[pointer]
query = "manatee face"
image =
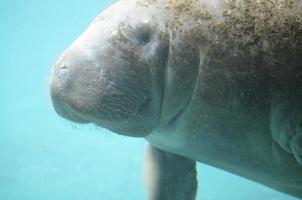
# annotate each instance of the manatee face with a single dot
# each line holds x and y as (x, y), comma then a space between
(112, 75)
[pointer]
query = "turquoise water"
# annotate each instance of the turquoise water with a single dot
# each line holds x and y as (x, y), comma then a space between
(44, 157)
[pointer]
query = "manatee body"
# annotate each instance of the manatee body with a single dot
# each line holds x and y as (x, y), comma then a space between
(214, 81)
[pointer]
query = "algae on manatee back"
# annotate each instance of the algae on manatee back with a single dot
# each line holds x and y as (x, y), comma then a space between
(264, 32)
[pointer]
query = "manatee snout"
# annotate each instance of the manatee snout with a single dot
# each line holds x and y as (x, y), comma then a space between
(69, 85)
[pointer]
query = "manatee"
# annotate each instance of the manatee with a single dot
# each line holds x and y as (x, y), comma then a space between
(211, 81)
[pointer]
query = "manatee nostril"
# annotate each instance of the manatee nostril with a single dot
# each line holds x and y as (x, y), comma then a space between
(63, 69)
(63, 66)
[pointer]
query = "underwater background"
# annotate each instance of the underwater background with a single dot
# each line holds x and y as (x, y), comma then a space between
(45, 157)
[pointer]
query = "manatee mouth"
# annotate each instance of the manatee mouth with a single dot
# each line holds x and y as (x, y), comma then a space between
(73, 110)
(68, 110)
(130, 124)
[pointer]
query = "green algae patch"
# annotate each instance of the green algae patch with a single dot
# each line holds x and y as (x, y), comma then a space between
(262, 26)
(250, 33)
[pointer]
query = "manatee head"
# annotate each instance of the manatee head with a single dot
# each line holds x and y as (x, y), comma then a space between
(113, 74)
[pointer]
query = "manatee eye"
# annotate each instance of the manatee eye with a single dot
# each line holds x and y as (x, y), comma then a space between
(143, 34)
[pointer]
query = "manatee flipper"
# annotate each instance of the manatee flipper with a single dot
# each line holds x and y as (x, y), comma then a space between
(286, 126)
(168, 176)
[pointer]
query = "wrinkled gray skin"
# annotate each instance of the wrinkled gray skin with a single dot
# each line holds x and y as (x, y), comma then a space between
(133, 74)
